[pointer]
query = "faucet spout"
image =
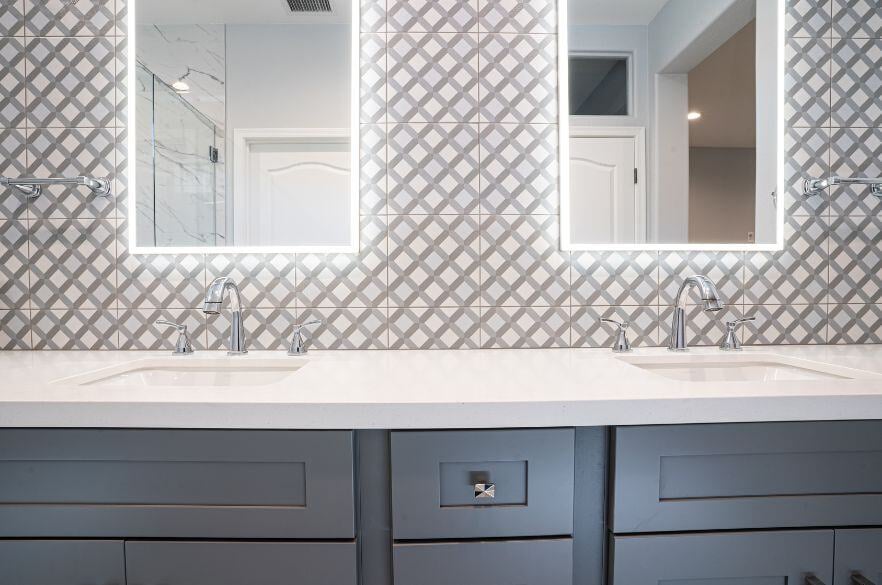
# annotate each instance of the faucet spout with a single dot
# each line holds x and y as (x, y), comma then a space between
(711, 299)
(212, 304)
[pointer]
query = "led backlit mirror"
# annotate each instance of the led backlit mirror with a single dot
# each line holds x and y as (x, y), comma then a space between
(671, 126)
(244, 125)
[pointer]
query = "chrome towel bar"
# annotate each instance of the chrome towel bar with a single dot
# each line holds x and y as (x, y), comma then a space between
(33, 188)
(815, 186)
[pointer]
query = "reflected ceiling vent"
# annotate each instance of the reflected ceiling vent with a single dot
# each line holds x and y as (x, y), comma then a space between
(309, 5)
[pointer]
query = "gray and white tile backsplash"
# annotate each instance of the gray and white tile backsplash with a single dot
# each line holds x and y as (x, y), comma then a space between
(459, 197)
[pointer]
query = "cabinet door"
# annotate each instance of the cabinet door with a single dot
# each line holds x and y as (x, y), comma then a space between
(759, 558)
(62, 562)
(240, 563)
(858, 552)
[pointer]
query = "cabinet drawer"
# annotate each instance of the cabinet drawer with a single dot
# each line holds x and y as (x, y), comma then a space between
(240, 563)
(176, 484)
(524, 562)
(759, 558)
(858, 552)
(62, 562)
(735, 476)
(435, 474)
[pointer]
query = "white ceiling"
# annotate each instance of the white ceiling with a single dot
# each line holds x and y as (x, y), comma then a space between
(613, 12)
(234, 12)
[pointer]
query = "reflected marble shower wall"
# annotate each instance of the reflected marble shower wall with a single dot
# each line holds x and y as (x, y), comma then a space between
(177, 180)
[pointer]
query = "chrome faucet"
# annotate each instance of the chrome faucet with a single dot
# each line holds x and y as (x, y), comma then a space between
(712, 303)
(214, 300)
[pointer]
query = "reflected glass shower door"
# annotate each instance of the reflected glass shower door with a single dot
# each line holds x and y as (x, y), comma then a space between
(177, 184)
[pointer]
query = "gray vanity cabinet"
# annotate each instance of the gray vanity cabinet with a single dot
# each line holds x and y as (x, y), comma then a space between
(240, 563)
(62, 562)
(858, 551)
(748, 558)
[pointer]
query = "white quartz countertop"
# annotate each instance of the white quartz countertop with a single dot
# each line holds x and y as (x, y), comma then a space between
(435, 389)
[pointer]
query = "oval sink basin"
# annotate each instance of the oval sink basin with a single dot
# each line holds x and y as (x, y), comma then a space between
(186, 371)
(741, 368)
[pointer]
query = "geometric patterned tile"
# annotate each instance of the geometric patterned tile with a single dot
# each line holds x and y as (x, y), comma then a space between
(703, 329)
(64, 18)
(851, 324)
(519, 169)
(806, 154)
(15, 330)
(349, 328)
(857, 19)
(807, 83)
(12, 83)
(75, 329)
(347, 280)
(725, 269)
(138, 329)
(525, 327)
(264, 280)
(71, 82)
(14, 289)
(809, 18)
(433, 77)
(265, 329)
(856, 259)
(11, 18)
(518, 16)
(796, 275)
(433, 168)
(589, 331)
(518, 78)
(73, 263)
(373, 16)
(435, 328)
(857, 82)
(786, 325)
(433, 15)
(373, 79)
(856, 152)
(373, 169)
(615, 279)
(60, 152)
(434, 260)
(13, 163)
(161, 281)
(522, 264)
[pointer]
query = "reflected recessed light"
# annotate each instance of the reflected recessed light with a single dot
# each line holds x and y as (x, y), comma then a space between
(180, 87)
(693, 116)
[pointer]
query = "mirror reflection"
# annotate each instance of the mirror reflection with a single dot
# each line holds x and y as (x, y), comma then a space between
(243, 124)
(673, 122)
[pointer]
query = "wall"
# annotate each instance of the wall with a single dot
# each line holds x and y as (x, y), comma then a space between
(721, 194)
(460, 206)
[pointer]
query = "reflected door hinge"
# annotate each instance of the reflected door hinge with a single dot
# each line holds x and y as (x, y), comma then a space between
(636, 182)
(213, 154)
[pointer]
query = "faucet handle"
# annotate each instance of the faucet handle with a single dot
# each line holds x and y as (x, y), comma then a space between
(621, 344)
(298, 345)
(731, 341)
(183, 346)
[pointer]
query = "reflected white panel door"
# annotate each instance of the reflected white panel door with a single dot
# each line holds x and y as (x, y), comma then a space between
(603, 192)
(295, 194)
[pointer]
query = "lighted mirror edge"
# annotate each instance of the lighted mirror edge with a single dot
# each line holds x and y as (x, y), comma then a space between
(563, 100)
(354, 151)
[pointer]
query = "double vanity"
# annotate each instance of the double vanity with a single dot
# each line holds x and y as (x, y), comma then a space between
(540, 467)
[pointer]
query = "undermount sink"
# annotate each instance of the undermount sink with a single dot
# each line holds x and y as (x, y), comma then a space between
(188, 371)
(748, 367)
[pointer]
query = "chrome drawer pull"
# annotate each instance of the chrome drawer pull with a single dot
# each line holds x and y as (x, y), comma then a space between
(484, 491)
(858, 579)
(812, 580)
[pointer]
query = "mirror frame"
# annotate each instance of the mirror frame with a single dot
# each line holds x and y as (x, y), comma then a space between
(355, 156)
(564, 153)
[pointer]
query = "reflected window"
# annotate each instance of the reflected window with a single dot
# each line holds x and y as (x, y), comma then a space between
(598, 86)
